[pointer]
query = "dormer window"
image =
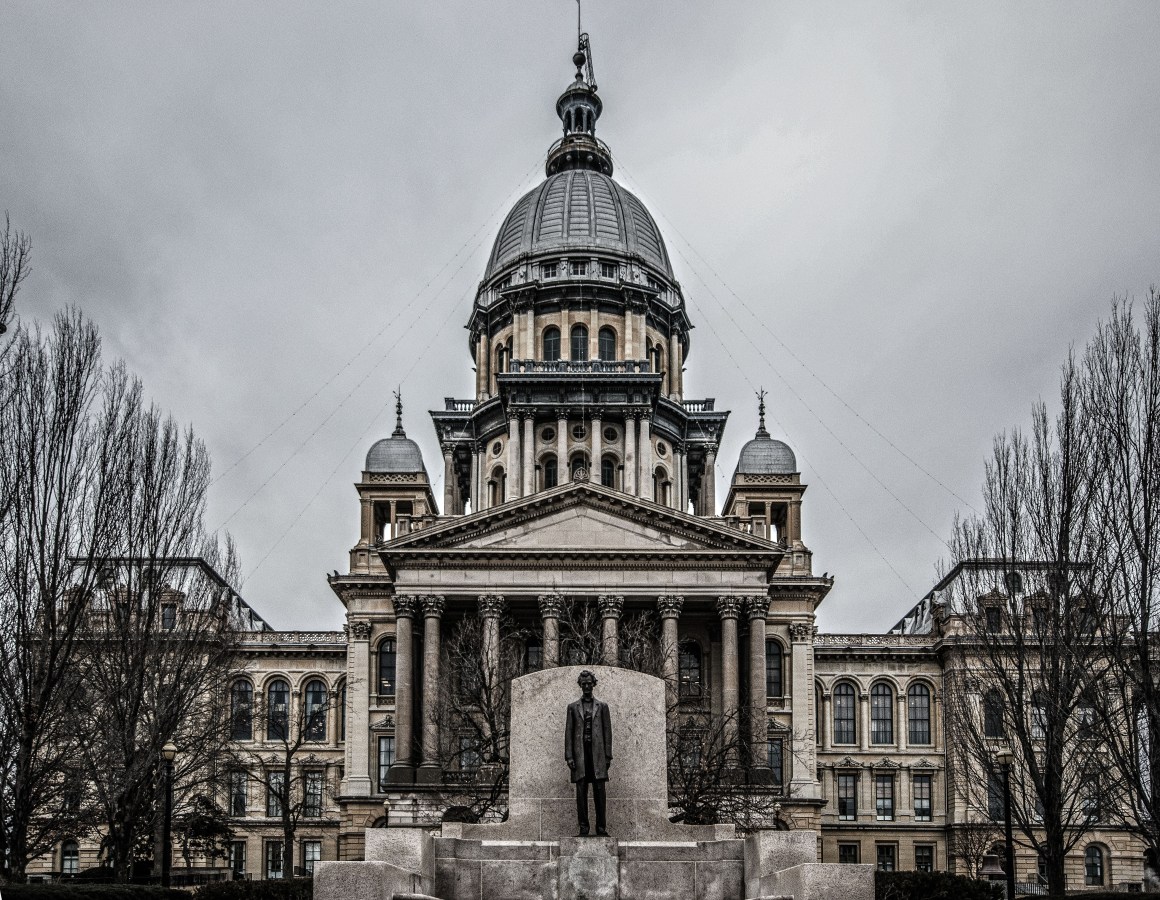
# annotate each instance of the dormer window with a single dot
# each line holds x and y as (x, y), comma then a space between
(549, 270)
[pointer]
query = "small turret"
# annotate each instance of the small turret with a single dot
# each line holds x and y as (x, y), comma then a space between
(578, 108)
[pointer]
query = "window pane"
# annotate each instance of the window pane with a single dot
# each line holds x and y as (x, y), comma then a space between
(607, 344)
(69, 858)
(773, 669)
(275, 786)
(237, 785)
(273, 859)
(886, 858)
(579, 343)
(923, 858)
(241, 711)
(689, 670)
(316, 711)
(922, 794)
(844, 731)
(607, 473)
(278, 711)
(237, 857)
(993, 714)
(881, 714)
(848, 853)
(995, 797)
(387, 669)
(774, 759)
(1093, 863)
(312, 795)
(918, 713)
(311, 853)
(552, 345)
(884, 797)
(386, 760)
(848, 797)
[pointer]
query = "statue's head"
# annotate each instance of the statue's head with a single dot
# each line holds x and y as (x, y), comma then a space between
(587, 682)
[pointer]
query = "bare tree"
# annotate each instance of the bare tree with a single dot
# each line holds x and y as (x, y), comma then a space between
(15, 252)
(1122, 407)
(1024, 669)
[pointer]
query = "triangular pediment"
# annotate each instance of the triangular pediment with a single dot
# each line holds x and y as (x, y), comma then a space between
(582, 518)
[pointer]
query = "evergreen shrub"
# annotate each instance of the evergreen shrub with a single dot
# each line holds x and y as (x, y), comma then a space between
(932, 886)
(281, 889)
(79, 890)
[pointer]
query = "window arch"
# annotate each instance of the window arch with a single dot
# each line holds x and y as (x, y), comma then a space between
(881, 714)
(689, 670)
(662, 487)
(70, 858)
(579, 461)
(656, 357)
(242, 710)
(497, 486)
(388, 655)
(606, 341)
(774, 686)
(552, 344)
(993, 714)
(579, 343)
(608, 472)
(845, 729)
(918, 713)
(499, 358)
(316, 704)
(278, 710)
(1093, 865)
(551, 471)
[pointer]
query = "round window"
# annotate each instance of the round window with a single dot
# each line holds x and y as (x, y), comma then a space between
(610, 434)
(579, 432)
(661, 448)
(497, 448)
(548, 435)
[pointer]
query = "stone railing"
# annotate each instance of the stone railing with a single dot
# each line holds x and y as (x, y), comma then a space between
(873, 640)
(705, 405)
(590, 366)
(453, 405)
(296, 638)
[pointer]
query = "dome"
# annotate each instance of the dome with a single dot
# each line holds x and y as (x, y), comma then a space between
(765, 456)
(398, 455)
(579, 209)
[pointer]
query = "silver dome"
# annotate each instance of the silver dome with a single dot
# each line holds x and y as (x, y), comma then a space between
(397, 455)
(765, 456)
(580, 210)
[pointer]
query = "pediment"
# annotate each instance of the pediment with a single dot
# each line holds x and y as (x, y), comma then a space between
(582, 518)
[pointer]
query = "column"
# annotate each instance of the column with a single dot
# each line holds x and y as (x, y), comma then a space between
(530, 333)
(594, 333)
(863, 720)
(670, 609)
(729, 609)
(402, 772)
(644, 487)
(757, 608)
(358, 668)
(629, 347)
(630, 454)
(483, 363)
(430, 771)
(901, 722)
(674, 366)
(805, 769)
(513, 458)
(709, 481)
(826, 726)
(596, 447)
(529, 457)
(367, 520)
(477, 486)
(491, 607)
(551, 608)
(611, 607)
(450, 485)
(562, 446)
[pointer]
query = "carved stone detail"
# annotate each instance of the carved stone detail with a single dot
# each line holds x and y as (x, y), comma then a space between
(611, 606)
(491, 606)
(670, 606)
(433, 605)
(801, 632)
(406, 606)
(551, 605)
(361, 630)
(757, 606)
(729, 607)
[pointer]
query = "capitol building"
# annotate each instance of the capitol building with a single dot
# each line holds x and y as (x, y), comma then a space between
(579, 478)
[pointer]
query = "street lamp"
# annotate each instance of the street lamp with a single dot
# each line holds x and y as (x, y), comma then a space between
(1003, 758)
(387, 812)
(169, 754)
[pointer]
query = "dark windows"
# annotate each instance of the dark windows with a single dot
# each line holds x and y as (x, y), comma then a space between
(469, 758)
(923, 858)
(275, 789)
(579, 267)
(241, 710)
(774, 750)
(881, 714)
(552, 344)
(1038, 716)
(884, 797)
(533, 656)
(918, 714)
(312, 794)
(342, 712)
(689, 670)
(993, 619)
(237, 858)
(849, 854)
(1093, 865)
(316, 703)
(70, 856)
(995, 796)
(549, 270)
(608, 472)
(386, 759)
(168, 616)
(922, 796)
(579, 343)
(387, 659)
(551, 472)
(993, 714)
(847, 797)
(579, 463)
(844, 730)
(237, 789)
(277, 710)
(773, 670)
(311, 854)
(273, 860)
(579, 431)
(607, 270)
(887, 857)
(606, 341)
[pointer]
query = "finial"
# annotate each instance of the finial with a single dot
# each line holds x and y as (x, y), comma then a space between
(760, 410)
(399, 412)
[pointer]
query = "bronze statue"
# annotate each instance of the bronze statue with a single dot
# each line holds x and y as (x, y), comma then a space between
(588, 751)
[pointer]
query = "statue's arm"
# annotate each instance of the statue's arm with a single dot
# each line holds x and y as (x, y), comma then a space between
(568, 737)
(607, 722)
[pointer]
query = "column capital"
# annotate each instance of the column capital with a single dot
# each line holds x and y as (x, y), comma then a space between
(361, 631)
(561, 413)
(611, 606)
(551, 605)
(670, 605)
(802, 632)
(433, 605)
(491, 606)
(757, 606)
(596, 414)
(729, 607)
(406, 606)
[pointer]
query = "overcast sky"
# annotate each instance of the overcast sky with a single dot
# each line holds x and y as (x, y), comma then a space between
(896, 217)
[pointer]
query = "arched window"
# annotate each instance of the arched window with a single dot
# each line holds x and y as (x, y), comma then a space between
(689, 670)
(70, 856)
(881, 714)
(773, 669)
(497, 487)
(533, 656)
(993, 714)
(918, 713)
(662, 487)
(607, 344)
(387, 658)
(1093, 865)
(342, 712)
(579, 343)
(552, 344)
(315, 711)
(656, 357)
(499, 358)
(278, 711)
(608, 472)
(551, 473)
(242, 710)
(845, 731)
(579, 461)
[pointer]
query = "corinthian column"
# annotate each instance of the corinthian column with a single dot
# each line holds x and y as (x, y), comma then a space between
(529, 457)
(757, 608)
(358, 666)
(551, 606)
(491, 607)
(611, 607)
(644, 487)
(729, 608)
(670, 610)
(430, 772)
(629, 482)
(403, 770)
(513, 459)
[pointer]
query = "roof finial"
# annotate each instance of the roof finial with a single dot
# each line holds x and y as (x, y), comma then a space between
(399, 412)
(761, 411)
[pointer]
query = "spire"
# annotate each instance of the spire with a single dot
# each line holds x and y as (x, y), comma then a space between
(578, 108)
(761, 414)
(399, 432)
